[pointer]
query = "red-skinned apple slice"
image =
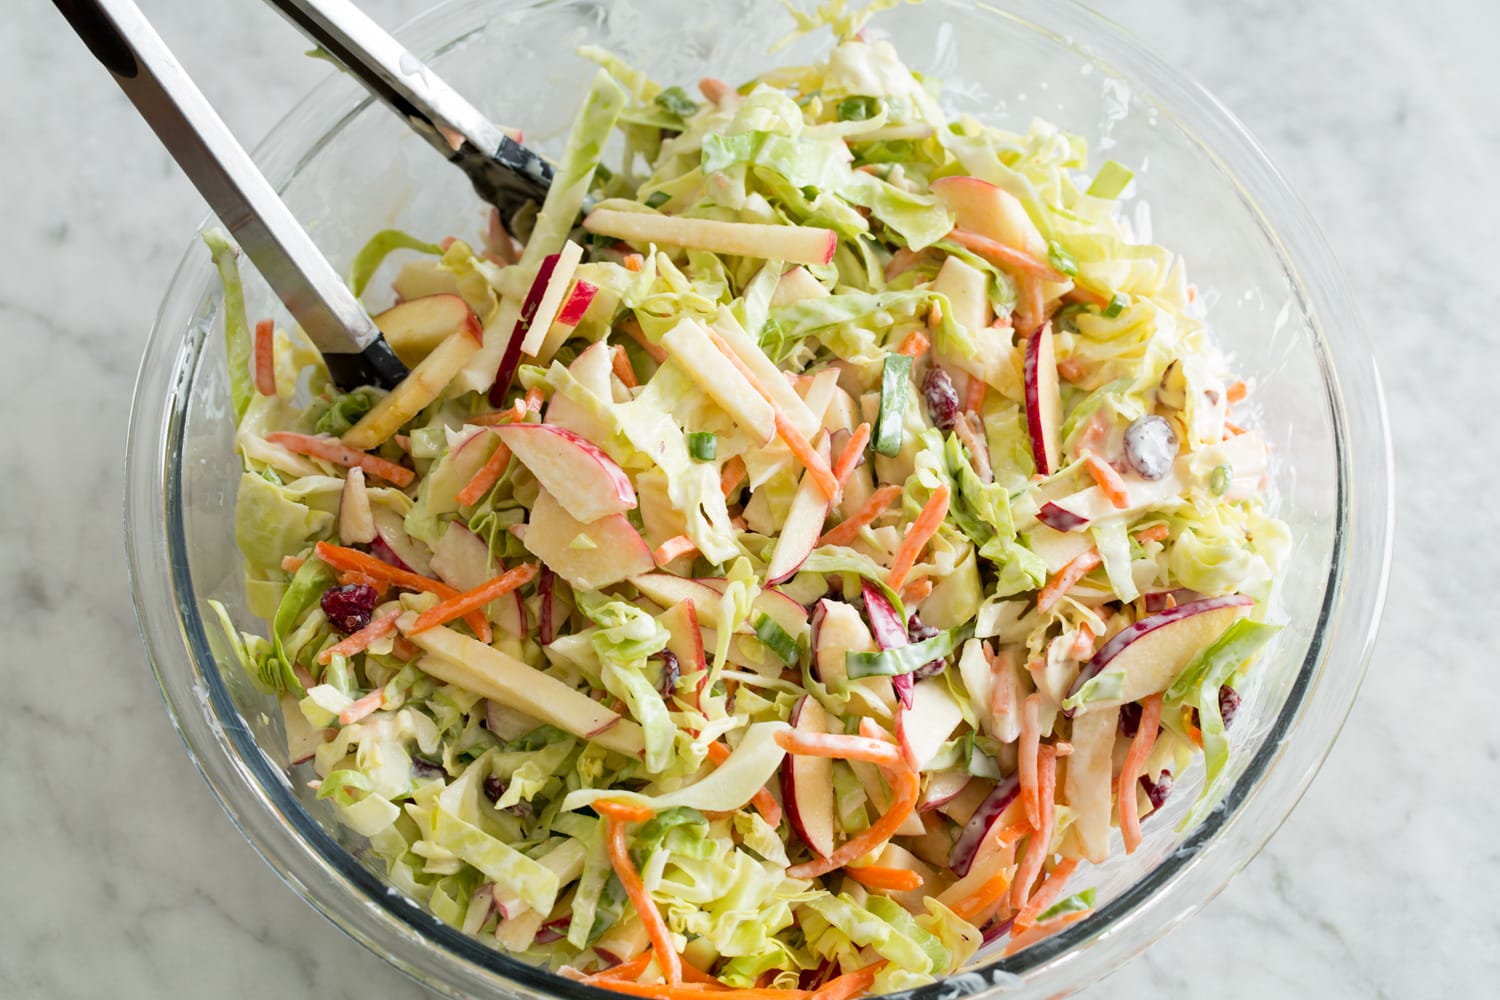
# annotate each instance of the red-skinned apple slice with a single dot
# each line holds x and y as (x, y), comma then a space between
(789, 244)
(391, 528)
(1152, 652)
(356, 522)
(587, 482)
(807, 783)
(943, 787)
(592, 371)
(981, 207)
(588, 555)
(962, 806)
(925, 726)
(890, 632)
(985, 818)
(803, 525)
(510, 354)
(415, 328)
(1043, 400)
(668, 591)
(462, 559)
(1077, 510)
(1088, 784)
(578, 302)
(548, 606)
(553, 296)
(797, 285)
(421, 386)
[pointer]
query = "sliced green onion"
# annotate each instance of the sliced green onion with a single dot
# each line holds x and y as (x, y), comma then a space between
(1111, 180)
(1219, 479)
(857, 109)
(895, 384)
(905, 659)
(1116, 305)
(703, 445)
(676, 101)
(657, 199)
(1061, 260)
(776, 639)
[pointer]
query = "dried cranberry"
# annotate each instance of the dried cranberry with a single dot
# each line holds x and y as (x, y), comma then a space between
(1229, 704)
(917, 630)
(421, 767)
(671, 672)
(348, 607)
(941, 398)
(929, 669)
(1151, 447)
(1130, 720)
(493, 789)
(1158, 790)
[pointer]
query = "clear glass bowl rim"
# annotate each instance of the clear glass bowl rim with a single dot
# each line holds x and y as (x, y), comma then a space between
(253, 791)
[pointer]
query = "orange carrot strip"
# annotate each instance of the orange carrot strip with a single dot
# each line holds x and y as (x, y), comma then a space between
(732, 475)
(914, 345)
(632, 329)
(625, 812)
(764, 802)
(848, 529)
(1155, 533)
(621, 367)
(1237, 391)
(361, 707)
(1046, 894)
(625, 970)
(355, 577)
(908, 787)
(992, 892)
(974, 394)
(1065, 578)
(918, 535)
(332, 450)
(534, 399)
(916, 591)
(1083, 643)
(360, 641)
(848, 459)
(617, 815)
(1110, 482)
(882, 877)
(634, 262)
(673, 548)
(1001, 663)
(1071, 369)
(1039, 844)
(1130, 771)
(292, 563)
(794, 439)
(1039, 931)
(341, 558)
(693, 991)
(1005, 257)
(1027, 756)
(850, 984)
(491, 418)
(473, 600)
(486, 476)
(839, 746)
(692, 974)
(265, 358)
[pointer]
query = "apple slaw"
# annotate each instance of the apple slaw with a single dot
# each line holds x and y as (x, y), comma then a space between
(788, 579)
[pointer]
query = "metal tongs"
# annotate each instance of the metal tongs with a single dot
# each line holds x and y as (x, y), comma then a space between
(504, 173)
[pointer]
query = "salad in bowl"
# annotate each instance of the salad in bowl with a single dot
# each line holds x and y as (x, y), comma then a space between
(787, 568)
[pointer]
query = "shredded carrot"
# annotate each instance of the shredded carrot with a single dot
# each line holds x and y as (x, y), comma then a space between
(839, 746)
(732, 475)
(1111, 484)
(918, 535)
(1065, 578)
(634, 262)
(356, 578)
(1046, 894)
(1006, 258)
(693, 991)
(1031, 310)
(907, 786)
(882, 877)
(617, 815)
(292, 563)
(1083, 642)
(491, 418)
(1232, 430)
(332, 450)
(916, 591)
(1039, 844)
(765, 803)
(625, 970)
(1071, 369)
(486, 476)
(473, 600)
(1155, 533)
(621, 366)
(1130, 771)
(361, 707)
(1002, 662)
(360, 641)
(625, 812)
(1027, 754)
(850, 984)
(848, 459)
(632, 329)
(794, 439)
(534, 399)
(1237, 391)
(848, 529)
(994, 890)
(341, 558)
(974, 394)
(265, 358)
(915, 344)
(692, 974)
(673, 548)
(1039, 931)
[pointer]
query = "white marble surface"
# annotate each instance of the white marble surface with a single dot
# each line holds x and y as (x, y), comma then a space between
(123, 878)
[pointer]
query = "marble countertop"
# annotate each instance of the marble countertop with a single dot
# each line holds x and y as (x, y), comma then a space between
(125, 878)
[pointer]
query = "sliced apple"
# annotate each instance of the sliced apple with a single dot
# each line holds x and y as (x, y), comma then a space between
(587, 482)
(943, 787)
(1057, 548)
(356, 523)
(803, 526)
(577, 303)
(807, 783)
(591, 369)
(457, 659)
(554, 294)
(689, 346)
(669, 591)
(588, 555)
(1089, 781)
(966, 803)
(933, 879)
(881, 799)
(421, 386)
(981, 207)
(392, 531)
(1077, 510)
(1043, 400)
(797, 285)
(976, 831)
(420, 278)
(803, 413)
(685, 641)
(468, 450)
(1150, 654)
(789, 244)
(967, 289)
(836, 630)
(302, 740)
(462, 559)
(415, 327)
(925, 726)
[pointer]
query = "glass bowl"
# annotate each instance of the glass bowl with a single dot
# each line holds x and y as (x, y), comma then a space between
(1276, 300)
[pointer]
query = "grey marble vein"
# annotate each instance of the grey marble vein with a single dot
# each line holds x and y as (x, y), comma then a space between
(123, 877)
